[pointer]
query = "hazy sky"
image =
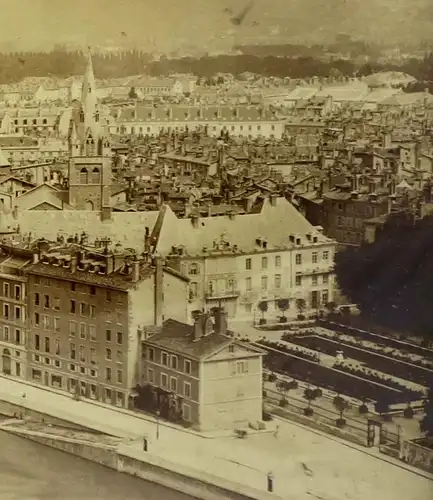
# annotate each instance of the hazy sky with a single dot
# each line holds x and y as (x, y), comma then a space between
(170, 24)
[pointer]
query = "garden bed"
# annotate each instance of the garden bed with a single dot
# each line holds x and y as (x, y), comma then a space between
(379, 362)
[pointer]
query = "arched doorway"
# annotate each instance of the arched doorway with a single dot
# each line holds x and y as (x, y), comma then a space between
(89, 205)
(6, 362)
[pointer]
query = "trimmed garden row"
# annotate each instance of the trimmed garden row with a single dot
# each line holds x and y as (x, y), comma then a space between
(382, 363)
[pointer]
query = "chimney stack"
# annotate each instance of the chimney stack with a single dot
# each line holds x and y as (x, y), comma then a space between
(220, 321)
(159, 293)
(198, 327)
(135, 275)
(74, 262)
(273, 199)
(110, 264)
(35, 258)
(195, 220)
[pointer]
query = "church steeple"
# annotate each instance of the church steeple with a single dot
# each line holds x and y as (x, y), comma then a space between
(89, 101)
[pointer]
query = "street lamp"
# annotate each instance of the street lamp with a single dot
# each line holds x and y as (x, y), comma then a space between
(157, 423)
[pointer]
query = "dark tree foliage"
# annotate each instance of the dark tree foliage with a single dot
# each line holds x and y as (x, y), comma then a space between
(392, 279)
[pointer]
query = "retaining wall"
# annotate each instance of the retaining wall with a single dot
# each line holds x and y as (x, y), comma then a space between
(196, 484)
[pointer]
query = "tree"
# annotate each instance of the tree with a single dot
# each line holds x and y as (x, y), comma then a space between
(341, 406)
(263, 308)
(310, 395)
(132, 93)
(284, 388)
(426, 424)
(283, 306)
(391, 280)
(301, 305)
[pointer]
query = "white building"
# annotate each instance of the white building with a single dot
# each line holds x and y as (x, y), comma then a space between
(245, 120)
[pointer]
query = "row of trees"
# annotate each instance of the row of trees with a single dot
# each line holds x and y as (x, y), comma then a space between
(61, 63)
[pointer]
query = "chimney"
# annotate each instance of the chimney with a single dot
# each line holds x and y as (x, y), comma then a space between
(159, 292)
(273, 199)
(220, 321)
(135, 275)
(195, 220)
(146, 239)
(198, 327)
(35, 258)
(387, 140)
(355, 183)
(74, 262)
(110, 264)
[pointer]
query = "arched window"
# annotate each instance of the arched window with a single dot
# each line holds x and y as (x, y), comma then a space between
(96, 176)
(84, 176)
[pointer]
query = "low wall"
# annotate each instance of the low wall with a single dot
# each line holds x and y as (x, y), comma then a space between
(418, 456)
(12, 410)
(196, 484)
(343, 433)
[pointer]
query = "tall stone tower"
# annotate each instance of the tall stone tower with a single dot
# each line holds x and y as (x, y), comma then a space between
(89, 150)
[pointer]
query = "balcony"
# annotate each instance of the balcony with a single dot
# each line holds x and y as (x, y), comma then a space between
(225, 294)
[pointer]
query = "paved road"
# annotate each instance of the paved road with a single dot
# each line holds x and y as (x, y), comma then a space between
(29, 471)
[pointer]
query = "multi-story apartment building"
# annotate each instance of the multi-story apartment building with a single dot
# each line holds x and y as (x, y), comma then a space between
(204, 375)
(13, 323)
(242, 260)
(85, 308)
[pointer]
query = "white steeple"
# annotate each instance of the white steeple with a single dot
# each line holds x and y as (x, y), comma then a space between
(89, 99)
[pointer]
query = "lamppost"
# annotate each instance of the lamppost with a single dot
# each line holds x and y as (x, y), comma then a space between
(157, 423)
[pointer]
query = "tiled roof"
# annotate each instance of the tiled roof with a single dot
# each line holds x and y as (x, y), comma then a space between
(273, 223)
(184, 113)
(115, 281)
(178, 337)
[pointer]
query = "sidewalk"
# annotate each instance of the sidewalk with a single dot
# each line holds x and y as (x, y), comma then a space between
(304, 463)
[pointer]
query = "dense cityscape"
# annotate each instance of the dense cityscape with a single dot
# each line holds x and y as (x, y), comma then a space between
(204, 269)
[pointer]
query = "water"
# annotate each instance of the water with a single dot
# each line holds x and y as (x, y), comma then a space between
(29, 471)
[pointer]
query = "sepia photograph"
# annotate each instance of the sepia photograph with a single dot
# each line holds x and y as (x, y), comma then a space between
(216, 244)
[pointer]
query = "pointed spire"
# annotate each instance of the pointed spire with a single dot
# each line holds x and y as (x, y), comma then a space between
(89, 86)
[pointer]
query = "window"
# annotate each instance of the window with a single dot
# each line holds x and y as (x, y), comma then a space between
(82, 330)
(242, 367)
(173, 384)
(325, 255)
(36, 319)
(119, 338)
(248, 284)
(108, 374)
(108, 354)
(193, 269)
(278, 261)
(164, 379)
(57, 347)
(17, 312)
(164, 358)
(119, 356)
(298, 280)
(83, 309)
(298, 259)
(57, 363)
(150, 375)
(6, 333)
(92, 332)
(37, 343)
(17, 292)
(56, 303)
(6, 311)
(151, 354)
(73, 287)
(187, 389)
(72, 328)
(6, 289)
(248, 264)
(57, 324)
(325, 297)
(187, 366)
(278, 281)
(17, 336)
(47, 344)
(174, 362)
(93, 311)
(119, 376)
(93, 356)
(314, 280)
(314, 257)
(46, 301)
(108, 335)
(72, 367)
(72, 309)
(264, 282)
(325, 279)
(264, 262)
